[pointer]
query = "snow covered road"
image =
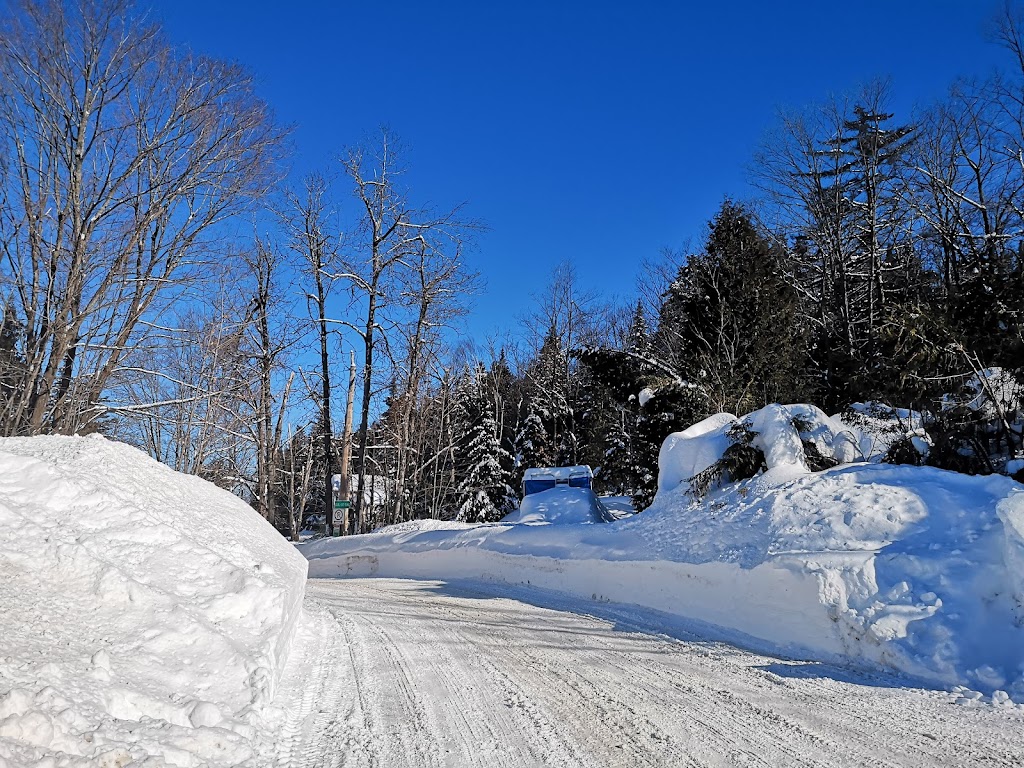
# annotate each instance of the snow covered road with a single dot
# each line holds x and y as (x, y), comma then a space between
(415, 673)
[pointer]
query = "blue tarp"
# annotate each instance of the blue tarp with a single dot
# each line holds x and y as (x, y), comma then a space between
(539, 484)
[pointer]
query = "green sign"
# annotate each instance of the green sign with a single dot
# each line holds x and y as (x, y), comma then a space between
(341, 504)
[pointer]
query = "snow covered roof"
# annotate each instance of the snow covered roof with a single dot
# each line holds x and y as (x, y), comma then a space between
(558, 473)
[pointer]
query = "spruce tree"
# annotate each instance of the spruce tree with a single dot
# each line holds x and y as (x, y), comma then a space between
(532, 444)
(621, 469)
(549, 393)
(729, 321)
(484, 494)
(654, 401)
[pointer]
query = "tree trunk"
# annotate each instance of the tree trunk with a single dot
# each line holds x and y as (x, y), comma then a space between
(346, 445)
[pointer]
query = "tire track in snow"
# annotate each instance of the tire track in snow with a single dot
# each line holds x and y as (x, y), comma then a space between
(311, 729)
(425, 674)
(474, 716)
(469, 739)
(884, 717)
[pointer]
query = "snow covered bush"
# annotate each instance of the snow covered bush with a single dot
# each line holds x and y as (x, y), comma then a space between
(723, 449)
(975, 429)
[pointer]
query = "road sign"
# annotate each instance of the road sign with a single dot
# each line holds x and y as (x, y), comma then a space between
(342, 504)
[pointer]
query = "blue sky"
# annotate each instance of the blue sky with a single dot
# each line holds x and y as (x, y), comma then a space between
(597, 132)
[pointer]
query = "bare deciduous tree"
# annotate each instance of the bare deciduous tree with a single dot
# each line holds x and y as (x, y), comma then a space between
(390, 238)
(436, 287)
(307, 220)
(121, 156)
(269, 336)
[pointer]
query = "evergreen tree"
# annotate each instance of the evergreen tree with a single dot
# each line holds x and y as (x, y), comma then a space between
(548, 376)
(862, 263)
(12, 363)
(729, 321)
(654, 402)
(532, 447)
(619, 472)
(505, 394)
(621, 469)
(638, 337)
(483, 493)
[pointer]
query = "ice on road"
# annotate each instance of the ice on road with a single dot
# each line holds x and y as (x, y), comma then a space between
(418, 673)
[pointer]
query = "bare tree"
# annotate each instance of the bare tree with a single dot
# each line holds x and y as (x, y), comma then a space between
(566, 318)
(179, 397)
(796, 166)
(121, 156)
(390, 234)
(298, 479)
(965, 188)
(307, 220)
(435, 290)
(269, 336)
(345, 491)
(833, 175)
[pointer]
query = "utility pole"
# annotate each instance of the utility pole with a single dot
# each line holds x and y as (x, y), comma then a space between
(346, 445)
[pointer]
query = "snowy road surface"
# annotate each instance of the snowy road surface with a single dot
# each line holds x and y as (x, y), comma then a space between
(413, 673)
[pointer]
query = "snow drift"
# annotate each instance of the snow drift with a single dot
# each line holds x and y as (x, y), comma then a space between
(560, 505)
(913, 568)
(146, 614)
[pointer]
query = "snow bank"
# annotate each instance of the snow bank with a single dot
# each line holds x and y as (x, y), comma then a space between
(913, 568)
(560, 505)
(614, 562)
(146, 614)
(917, 568)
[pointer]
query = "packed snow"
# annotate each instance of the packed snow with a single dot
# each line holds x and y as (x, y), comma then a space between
(427, 673)
(146, 614)
(912, 568)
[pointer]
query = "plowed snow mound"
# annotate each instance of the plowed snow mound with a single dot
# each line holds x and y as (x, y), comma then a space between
(917, 567)
(560, 505)
(145, 613)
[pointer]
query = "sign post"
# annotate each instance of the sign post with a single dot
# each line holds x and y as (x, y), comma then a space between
(335, 487)
(339, 504)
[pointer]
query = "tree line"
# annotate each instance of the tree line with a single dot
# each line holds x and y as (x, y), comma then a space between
(163, 284)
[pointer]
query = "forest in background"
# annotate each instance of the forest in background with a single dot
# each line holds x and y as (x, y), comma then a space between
(163, 284)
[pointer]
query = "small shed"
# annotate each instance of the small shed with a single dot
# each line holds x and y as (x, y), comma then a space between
(537, 479)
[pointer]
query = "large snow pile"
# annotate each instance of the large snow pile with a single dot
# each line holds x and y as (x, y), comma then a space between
(560, 505)
(918, 567)
(914, 568)
(146, 614)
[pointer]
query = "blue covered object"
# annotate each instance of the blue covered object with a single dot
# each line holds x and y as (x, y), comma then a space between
(539, 479)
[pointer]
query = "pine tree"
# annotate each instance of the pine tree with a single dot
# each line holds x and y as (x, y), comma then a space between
(532, 447)
(729, 321)
(484, 493)
(861, 263)
(550, 397)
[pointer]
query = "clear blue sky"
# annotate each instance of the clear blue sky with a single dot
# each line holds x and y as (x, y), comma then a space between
(593, 131)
